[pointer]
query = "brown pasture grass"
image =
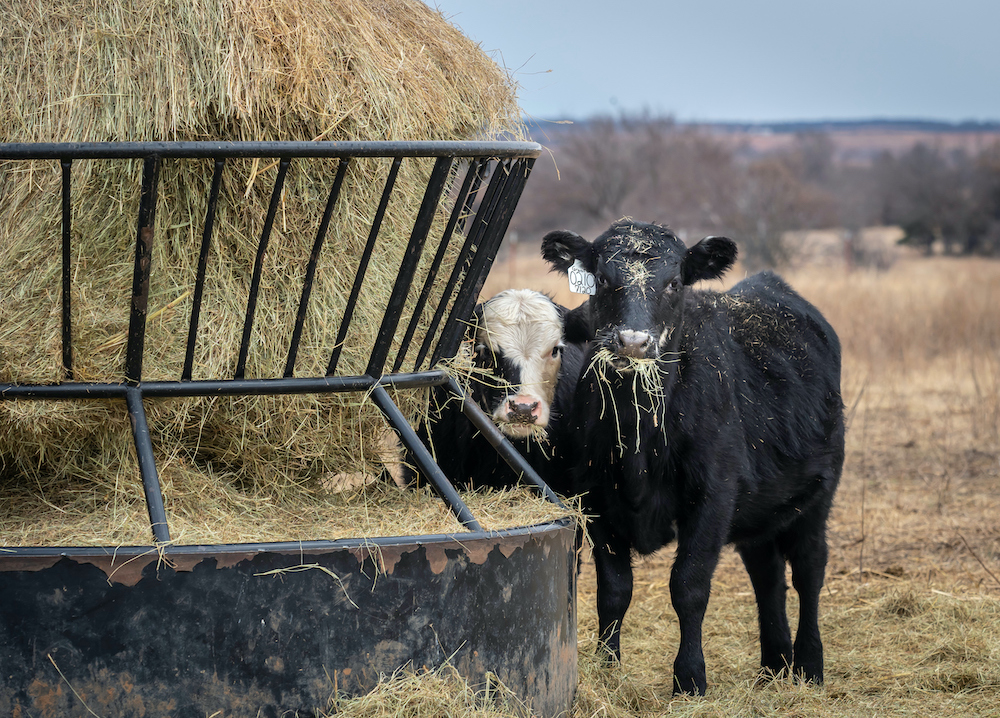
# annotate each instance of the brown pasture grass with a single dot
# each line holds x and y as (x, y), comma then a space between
(911, 611)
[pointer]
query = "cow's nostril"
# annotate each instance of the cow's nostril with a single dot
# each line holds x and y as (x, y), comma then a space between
(522, 413)
(632, 343)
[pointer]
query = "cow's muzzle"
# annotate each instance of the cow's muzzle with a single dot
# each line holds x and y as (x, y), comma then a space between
(632, 344)
(521, 415)
(522, 412)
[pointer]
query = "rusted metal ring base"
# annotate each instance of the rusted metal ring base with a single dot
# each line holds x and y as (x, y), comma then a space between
(280, 628)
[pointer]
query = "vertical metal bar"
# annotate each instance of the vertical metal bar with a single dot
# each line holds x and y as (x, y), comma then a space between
(454, 327)
(147, 465)
(199, 286)
(307, 283)
(408, 266)
(456, 272)
(359, 278)
(140, 275)
(496, 223)
(428, 467)
(258, 266)
(432, 271)
(67, 258)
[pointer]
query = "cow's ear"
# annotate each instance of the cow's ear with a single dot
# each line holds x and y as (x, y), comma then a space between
(561, 248)
(709, 259)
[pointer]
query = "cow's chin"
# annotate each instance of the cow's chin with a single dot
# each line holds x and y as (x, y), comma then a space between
(521, 431)
(621, 363)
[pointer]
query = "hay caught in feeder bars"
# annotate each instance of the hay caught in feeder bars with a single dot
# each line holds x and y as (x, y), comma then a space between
(226, 70)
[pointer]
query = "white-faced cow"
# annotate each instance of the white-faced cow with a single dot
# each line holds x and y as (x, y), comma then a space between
(708, 417)
(525, 377)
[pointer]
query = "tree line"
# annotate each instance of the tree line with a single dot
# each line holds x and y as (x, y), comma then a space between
(700, 183)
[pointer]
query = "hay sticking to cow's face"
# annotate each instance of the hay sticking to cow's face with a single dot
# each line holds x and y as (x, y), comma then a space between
(641, 272)
(519, 340)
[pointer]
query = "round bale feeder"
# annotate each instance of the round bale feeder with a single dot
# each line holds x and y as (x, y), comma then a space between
(170, 626)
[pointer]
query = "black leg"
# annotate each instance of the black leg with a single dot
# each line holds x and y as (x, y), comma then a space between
(766, 567)
(807, 554)
(613, 561)
(690, 586)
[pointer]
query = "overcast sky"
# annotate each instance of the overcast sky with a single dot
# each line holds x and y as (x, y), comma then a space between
(744, 60)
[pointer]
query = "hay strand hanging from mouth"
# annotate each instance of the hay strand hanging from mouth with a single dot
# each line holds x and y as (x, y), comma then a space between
(611, 371)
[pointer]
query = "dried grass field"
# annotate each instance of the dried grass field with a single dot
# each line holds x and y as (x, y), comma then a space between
(911, 612)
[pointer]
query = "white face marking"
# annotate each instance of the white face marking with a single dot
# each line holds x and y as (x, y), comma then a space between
(524, 326)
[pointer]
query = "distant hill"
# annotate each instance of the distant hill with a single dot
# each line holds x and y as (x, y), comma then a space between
(853, 141)
(858, 141)
(869, 125)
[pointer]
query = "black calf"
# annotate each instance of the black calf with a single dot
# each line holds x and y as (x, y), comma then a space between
(713, 417)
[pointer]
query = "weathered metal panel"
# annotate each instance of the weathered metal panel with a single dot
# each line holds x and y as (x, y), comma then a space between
(252, 632)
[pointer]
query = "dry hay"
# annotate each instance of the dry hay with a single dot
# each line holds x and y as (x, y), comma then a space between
(233, 70)
(244, 70)
(439, 693)
(204, 508)
(893, 648)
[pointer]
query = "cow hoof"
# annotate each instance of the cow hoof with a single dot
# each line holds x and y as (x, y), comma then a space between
(689, 686)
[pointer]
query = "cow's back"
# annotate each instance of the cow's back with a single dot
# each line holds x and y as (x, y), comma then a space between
(785, 363)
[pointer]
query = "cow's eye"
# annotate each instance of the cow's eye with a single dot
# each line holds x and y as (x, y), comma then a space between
(673, 285)
(602, 280)
(557, 351)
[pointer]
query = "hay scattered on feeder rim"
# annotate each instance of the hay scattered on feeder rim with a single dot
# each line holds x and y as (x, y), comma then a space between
(208, 509)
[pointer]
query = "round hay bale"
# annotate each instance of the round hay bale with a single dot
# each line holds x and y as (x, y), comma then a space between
(245, 70)
(219, 70)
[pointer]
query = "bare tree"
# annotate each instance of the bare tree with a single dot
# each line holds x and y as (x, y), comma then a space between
(599, 166)
(772, 200)
(655, 169)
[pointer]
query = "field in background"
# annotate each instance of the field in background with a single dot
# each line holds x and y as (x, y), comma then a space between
(911, 612)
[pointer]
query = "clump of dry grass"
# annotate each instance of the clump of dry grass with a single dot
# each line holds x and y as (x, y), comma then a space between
(441, 693)
(642, 377)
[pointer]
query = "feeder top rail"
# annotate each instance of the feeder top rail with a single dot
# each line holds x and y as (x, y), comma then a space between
(201, 149)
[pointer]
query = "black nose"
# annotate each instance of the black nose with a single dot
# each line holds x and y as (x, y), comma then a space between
(521, 413)
(632, 344)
